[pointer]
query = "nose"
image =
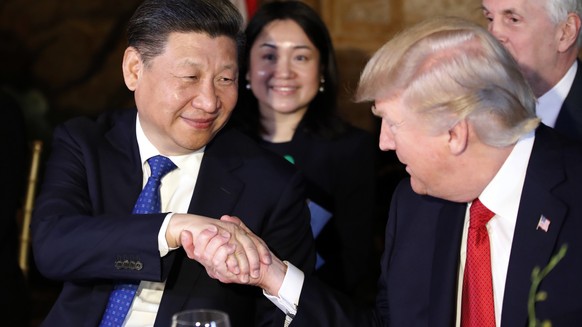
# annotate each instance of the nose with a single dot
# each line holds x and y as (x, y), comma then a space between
(283, 68)
(206, 98)
(496, 29)
(386, 138)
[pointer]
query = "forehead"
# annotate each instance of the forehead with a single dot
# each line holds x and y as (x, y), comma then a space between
(392, 107)
(514, 6)
(200, 47)
(283, 33)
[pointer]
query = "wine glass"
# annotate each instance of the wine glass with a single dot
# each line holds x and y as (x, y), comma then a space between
(200, 318)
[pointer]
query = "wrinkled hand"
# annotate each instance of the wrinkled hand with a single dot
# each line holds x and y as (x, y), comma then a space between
(213, 250)
(219, 245)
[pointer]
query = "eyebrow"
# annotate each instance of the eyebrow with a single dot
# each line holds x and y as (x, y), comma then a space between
(273, 46)
(509, 11)
(196, 64)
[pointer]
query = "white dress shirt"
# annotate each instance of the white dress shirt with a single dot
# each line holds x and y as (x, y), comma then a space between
(549, 105)
(176, 193)
(501, 196)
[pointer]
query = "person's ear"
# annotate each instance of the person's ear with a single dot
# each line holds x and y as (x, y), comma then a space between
(132, 66)
(569, 32)
(459, 137)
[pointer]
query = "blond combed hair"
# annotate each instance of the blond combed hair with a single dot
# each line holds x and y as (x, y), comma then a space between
(447, 69)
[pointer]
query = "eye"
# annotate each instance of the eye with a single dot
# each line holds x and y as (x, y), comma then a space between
(269, 57)
(512, 18)
(487, 15)
(226, 80)
(301, 58)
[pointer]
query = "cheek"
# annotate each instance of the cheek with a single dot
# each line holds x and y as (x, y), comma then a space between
(229, 99)
(314, 83)
(259, 71)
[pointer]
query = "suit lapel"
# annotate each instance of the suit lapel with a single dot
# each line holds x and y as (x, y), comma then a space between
(121, 164)
(533, 246)
(444, 278)
(215, 194)
(217, 189)
(570, 117)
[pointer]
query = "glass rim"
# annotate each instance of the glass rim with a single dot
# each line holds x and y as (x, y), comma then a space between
(214, 314)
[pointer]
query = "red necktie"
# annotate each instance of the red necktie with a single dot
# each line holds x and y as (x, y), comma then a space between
(477, 308)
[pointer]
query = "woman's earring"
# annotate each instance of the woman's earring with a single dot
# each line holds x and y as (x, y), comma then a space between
(322, 84)
(248, 86)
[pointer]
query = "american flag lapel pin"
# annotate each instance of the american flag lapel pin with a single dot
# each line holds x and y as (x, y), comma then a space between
(543, 223)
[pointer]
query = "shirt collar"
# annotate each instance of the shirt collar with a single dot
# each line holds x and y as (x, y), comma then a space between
(549, 104)
(502, 194)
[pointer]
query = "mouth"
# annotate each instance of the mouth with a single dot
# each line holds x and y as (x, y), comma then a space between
(199, 123)
(284, 89)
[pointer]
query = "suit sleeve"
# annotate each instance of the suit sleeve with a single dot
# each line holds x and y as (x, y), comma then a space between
(73, 238)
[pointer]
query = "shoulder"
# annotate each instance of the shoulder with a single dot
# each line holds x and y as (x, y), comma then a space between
(100, 123)
(350, 136)
(232, 144)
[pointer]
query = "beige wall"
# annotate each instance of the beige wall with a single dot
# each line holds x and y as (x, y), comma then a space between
(367, 24)
(360, 27)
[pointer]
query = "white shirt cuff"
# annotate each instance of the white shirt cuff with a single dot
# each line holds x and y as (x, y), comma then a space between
(288, 297)
(163, 246)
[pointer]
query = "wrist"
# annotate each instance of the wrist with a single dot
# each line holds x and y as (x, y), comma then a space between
(274, 277)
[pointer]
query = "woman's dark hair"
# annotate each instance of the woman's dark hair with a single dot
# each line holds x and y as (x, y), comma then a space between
(321, 118)
(154, 20)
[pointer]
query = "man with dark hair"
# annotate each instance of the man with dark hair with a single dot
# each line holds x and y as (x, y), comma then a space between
(124, 265)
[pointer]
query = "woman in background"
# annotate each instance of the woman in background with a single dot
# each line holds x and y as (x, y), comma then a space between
(287, 102)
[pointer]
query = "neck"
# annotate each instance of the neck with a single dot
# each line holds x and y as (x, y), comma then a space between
(478, 169)
(543, 81)
(280, 127)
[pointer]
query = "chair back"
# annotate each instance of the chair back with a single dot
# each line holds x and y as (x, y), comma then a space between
(24, 245)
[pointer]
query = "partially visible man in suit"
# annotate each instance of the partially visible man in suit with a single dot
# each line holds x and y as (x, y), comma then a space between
(544, 38)
(461, 117)
(181, 64)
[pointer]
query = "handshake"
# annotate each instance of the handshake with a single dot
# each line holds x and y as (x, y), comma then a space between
(228, 250)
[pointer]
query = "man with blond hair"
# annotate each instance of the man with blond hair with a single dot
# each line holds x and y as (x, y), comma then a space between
(461, 117)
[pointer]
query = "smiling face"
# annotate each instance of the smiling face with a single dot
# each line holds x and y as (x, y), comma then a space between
(525, 29)
(185, 95)
(284, 69)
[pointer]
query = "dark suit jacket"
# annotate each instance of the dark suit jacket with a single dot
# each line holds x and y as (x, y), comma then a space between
(569, 121)
(82, 223)
(418, 282)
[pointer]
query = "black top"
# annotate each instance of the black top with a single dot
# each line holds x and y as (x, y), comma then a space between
(340, 175)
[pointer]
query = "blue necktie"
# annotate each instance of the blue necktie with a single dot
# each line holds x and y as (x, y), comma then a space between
(147, 202)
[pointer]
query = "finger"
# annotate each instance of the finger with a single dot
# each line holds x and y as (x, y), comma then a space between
(201, 242)
(187, 241)
(219, 251)
(250, 251)
(261, 247)
(263, 250)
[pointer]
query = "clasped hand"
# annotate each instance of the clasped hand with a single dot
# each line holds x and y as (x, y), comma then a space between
(228, 250)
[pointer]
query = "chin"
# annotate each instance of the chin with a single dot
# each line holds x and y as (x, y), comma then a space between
(418, 188)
